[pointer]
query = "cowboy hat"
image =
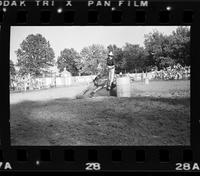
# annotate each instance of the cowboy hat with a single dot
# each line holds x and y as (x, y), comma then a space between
(110, 54)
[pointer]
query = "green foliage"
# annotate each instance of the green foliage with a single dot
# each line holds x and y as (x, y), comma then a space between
(69, 59)
(180, 44)
(12, 72)
(91, 57)
(35, 55)
(157, 46)
(135, 57)
(166, 62)
(12, 69)
(167, 50)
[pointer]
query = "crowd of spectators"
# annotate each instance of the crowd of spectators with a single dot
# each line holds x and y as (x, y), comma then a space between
(175, 72)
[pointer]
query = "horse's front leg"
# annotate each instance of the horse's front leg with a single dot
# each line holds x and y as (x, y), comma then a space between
(98, 88)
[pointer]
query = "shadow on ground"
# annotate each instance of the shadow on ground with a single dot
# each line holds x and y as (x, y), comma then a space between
(101, 120)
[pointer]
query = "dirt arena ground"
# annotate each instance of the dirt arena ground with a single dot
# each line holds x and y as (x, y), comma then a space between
(156, 114)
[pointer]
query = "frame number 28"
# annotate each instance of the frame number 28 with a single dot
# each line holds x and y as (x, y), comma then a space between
(187, 167)
(93, 166)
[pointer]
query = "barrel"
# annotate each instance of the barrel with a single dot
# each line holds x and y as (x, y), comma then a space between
(146, 80)
(123, 87)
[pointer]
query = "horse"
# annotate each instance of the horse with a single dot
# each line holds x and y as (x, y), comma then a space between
(99, 82)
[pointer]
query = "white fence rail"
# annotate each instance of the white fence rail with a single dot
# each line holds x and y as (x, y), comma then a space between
(46, 82)
(141, 76)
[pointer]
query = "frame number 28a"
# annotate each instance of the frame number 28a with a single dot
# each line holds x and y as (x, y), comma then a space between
(187, 167)
(93, 166)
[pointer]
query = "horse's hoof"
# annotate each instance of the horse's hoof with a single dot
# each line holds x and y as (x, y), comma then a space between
(91, 94)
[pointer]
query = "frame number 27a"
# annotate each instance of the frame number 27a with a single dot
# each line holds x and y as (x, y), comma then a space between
(93, 166)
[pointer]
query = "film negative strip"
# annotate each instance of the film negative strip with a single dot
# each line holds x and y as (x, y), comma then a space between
(99, 85)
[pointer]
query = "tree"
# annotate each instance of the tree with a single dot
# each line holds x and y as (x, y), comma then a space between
(12, 69)
(158, 48)
(12, 72)
(167, 50)
(180, 44)
(69, 59)
(91, 57)
(135, 57)
(35, 56)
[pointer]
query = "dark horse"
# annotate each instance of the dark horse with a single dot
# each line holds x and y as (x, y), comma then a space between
(100, 82)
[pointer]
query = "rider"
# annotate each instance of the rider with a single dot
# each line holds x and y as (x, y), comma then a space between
(111, 69)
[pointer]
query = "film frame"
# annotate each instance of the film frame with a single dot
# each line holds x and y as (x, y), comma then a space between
(111, 158)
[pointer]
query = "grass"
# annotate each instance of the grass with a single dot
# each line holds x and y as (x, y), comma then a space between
(156, 114)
